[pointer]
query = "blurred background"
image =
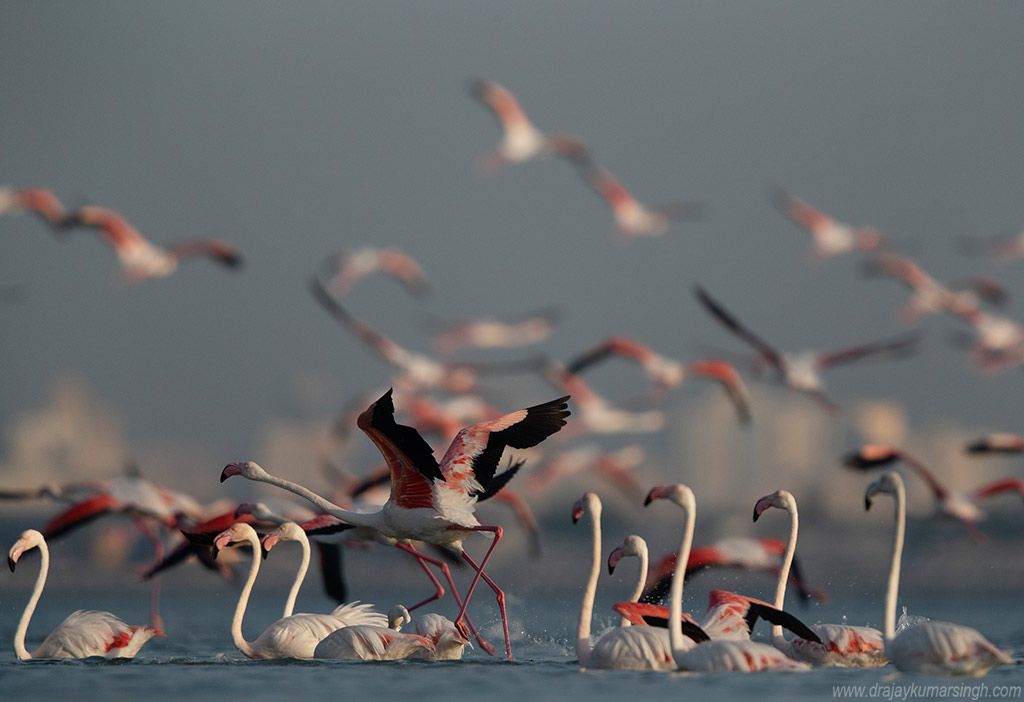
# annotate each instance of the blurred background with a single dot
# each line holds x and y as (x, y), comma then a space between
(294, 131)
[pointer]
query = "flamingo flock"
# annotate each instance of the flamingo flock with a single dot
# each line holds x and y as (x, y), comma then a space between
(439, 512)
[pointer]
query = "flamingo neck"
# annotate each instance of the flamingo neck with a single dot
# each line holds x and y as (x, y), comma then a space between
(641, 582)
(675, 605)
(300, 576)
(359, 519)
(893, 587)
(787, 565)
(587, 606)
(19, 635)
(243, 600)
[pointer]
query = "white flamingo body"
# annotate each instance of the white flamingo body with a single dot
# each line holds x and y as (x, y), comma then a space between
(371, 643)
(85, 633)
(449, 643)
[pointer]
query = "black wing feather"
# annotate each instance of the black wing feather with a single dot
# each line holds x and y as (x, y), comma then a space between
(405, 438)
(777, 616)
(540, 422)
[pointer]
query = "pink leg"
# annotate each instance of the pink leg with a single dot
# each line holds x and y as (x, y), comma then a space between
(155, 620)
(423, 560)
(498, 533)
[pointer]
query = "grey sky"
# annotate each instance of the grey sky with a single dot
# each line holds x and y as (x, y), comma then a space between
(296, 129)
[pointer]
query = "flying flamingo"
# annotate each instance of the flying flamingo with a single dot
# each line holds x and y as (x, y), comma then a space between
(347, 269)
(488, 333)
(430, 501)
(1011, 485)
(293, 636)
(140, 259)
(617, 467)
(84, 633)
(449, 642)
(713, 655)
(596, 414)
(521, 141)
(38, 201)
(632, 545)
(831, 237)
(997, 443)
(935, 648)
(802, 371)
(623, 648)
(840, 644)
(948, 504)
(634, 219)
(667, 373)
(1002, 249)
(742, 552)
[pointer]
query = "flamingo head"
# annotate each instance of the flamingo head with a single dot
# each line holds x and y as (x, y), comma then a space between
(781, 499)
(676, 492)
(247, 469)
(890, 483)
(236, 534)
(590, 502)
(871, 456)
(289, 531)
(29, 539)
(632, 546)
(398, 616)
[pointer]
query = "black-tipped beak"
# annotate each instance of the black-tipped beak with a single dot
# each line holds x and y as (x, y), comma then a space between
(11, 563)
(756, 514)
(576, 517)
(867, 504)
(264, 552)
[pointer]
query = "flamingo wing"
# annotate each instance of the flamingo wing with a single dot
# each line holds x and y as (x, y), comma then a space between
(898, 344)
(79, 514)
(733, 324)
(797, 211)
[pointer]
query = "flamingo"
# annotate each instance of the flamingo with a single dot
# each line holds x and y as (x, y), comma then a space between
(347, 269)
(667, 373)
(632, 545)
(623, 648)
(1011, 485)
(713, 655)
(617, 467)
(1002, 249)
(84, 633)
(373, 643)
(38, 201)
(487, 333)
(295, 635)
(947, 503)
(140, 259)
(935, 648)
(596, 414)
(521, 141)
(802, 371)
(840, 644)
(430, 501)
(997, 443)
(831, 237)
(742, 552)
(449, 642)
(634, 219)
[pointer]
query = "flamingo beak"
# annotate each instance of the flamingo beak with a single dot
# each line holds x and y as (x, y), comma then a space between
(222, 540)
(229, 470)
(577, 512)
(14, 554)
(613, 560)
(11, 563)
(656, 493)
(762, 506)
(269, 542)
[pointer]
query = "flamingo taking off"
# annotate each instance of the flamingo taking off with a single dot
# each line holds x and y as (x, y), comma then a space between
(294, 635)
(434, 501)
(140, 259)
(802, 371)
(521, 140)
(839, 644)
(634, 219)
(831, 237)
(84, 633)
(37, 201)
(346, 269)
(935, 648)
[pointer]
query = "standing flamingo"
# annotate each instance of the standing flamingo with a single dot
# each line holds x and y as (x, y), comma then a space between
(430, 501)
(831, 237)
(935, 648)
(840, 644)
(521, 141)
(634, 219)
(141, 259)
(623, 648)
(802, 371)
(294, 636)
(84, 633)
(38, 201)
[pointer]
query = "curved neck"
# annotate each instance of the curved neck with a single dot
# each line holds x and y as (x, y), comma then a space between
(243, 600)
(587, 606)
(300, 575)
(640, 583)
(675, 605)
(893, 586)
(367, 519)
(19, 636)
(787, 565)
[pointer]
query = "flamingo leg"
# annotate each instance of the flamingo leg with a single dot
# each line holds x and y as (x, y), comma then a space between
(155, 620)
(443, 567)
(498, 592)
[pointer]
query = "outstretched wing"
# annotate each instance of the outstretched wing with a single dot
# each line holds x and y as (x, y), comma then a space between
(900, 344)
(733, 324)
